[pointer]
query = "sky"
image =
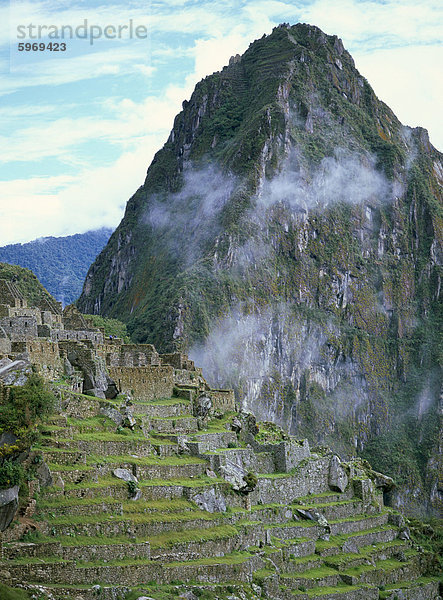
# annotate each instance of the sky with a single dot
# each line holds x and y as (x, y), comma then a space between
(79, 126)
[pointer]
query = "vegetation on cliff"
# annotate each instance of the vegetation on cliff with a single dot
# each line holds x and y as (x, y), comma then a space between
(293, 223)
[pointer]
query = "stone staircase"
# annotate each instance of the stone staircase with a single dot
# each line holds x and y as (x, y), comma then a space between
(181, 526)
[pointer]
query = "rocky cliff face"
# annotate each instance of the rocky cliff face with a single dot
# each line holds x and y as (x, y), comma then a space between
(289, 234)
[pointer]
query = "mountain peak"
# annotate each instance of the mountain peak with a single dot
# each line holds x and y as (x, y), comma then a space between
(288, 233)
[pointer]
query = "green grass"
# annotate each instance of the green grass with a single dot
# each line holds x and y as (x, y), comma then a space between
(109, 436)
(234, 558)
(323, 591)
(165, 402)
(155, 517)
(203, 480)
(315, 573)
(8, 593)
(169, 539)
(174, 505)
(68, 468)
(172, 461)
(63, 502)
(385, 565)
(405, 585)
(218, 425)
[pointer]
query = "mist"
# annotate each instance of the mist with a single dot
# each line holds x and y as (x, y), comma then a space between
(343, 177)
(189, 217)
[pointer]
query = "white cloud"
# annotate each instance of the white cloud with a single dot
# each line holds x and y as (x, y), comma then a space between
(378, 34)
(66, 205)
(58, 71)
(410, 81)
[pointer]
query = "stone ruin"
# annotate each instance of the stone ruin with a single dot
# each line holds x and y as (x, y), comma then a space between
(152, 482)
(63, 343)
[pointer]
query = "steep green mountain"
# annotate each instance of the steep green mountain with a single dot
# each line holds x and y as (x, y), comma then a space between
(61, 263)
(27, 283)
(289, 234)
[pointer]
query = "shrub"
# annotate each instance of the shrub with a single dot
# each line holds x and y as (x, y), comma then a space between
(10, 474)
(26, 405)
(251, 481)
(132, 488)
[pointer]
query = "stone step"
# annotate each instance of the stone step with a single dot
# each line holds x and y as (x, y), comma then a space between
(85, 592)
(291, 530)
(326, 497)
(208, 442)
(82, 507)
(143, 526)
(36, 570)
(65, 548)
(170, 471)
(384, 572)
(163, 448)
(107, 551)
(179, 408)
(148, 467)
(310, 529)
(367, 555)
(334, 510)
(73, 475)
(285, 488)
(54, 432)
(298, 548)
(300, 564)
(343, 592)
(194, 544)
(60, 420)
(417, 589)
(14, 550)
(358, 523)
(317, 577)
(384, 534)
(236, 567)
(64, 457)
(117, 447)
(155, 489)
(282, 513)
(173, 425)
(262, 462)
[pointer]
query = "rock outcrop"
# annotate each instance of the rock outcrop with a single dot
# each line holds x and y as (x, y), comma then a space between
(310, 274)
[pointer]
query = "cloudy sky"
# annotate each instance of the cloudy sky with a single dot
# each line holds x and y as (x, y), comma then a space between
(79, 127)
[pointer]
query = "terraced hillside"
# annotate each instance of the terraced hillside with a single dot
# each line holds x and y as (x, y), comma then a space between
(300, 525)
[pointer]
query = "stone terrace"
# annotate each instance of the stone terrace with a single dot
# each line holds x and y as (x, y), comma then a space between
(152, 482)
(151, 505)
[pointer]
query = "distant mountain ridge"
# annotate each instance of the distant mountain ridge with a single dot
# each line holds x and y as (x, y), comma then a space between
(60, 263)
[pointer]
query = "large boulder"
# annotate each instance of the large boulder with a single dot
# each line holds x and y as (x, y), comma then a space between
(313, 515)
(124, 474)
(384, 482)
(44, 475)
(8, 506)
(203, 406)
(210, 501)
(112, 413)
(8, 438)
(338, 480)
(234, 474)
